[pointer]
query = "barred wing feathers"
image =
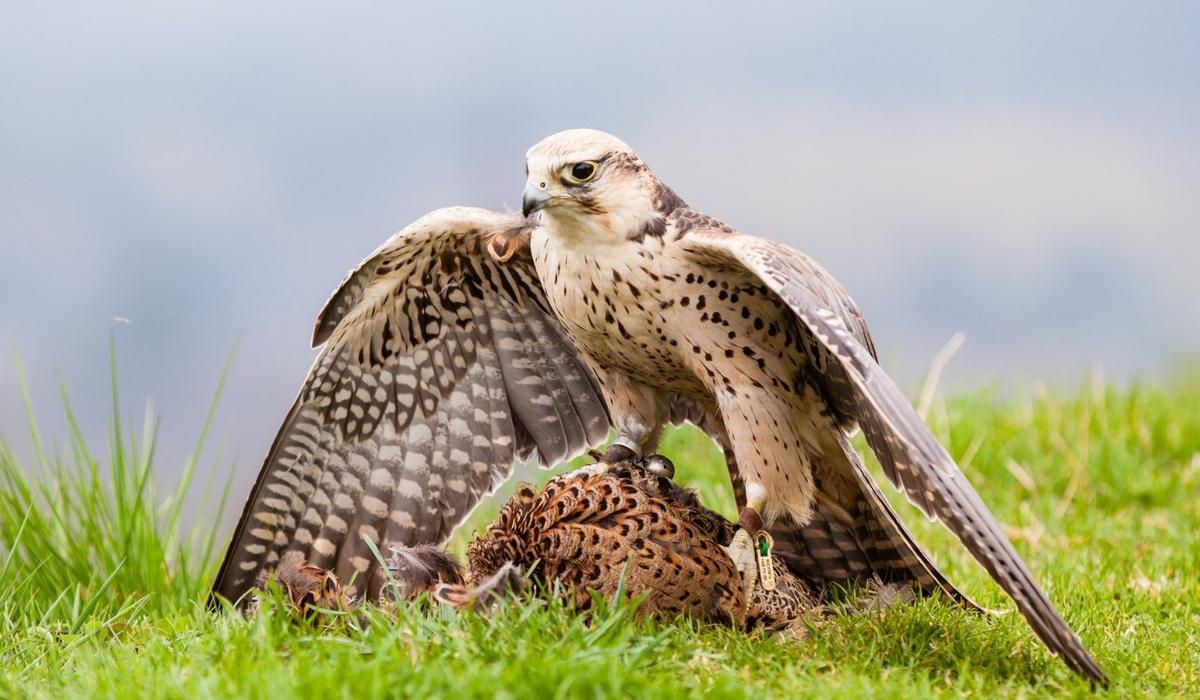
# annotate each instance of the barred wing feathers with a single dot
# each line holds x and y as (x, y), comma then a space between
(440, 368)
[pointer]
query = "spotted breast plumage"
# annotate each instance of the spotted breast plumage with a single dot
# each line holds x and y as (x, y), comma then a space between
(471, 339)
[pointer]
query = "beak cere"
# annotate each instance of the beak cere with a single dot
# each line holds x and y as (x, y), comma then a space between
(533, 199)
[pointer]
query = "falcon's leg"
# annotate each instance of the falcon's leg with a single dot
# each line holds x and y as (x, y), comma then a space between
(772, 451)
(638, 414)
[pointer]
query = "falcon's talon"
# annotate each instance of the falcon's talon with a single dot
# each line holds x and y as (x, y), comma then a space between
(750, 549)
(617, 454)
(659, 465)
(741, 550)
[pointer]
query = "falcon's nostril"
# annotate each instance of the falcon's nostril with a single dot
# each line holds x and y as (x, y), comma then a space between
(542, 185)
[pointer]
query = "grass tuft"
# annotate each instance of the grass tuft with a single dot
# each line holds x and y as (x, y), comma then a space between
(86, 540)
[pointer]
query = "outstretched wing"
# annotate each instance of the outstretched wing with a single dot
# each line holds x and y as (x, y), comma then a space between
(859, 391)
(441, 367)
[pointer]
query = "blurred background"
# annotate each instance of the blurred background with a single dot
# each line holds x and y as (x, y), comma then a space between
(183, 179)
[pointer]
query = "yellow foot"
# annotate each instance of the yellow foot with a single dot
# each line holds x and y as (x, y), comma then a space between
(750, 550)
(741, 550)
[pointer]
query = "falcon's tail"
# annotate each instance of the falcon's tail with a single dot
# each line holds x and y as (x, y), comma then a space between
(859, 545)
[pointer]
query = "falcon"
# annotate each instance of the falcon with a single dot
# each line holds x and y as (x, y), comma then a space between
(472, 339)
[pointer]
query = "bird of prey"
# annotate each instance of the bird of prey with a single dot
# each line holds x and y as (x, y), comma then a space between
(471, 339)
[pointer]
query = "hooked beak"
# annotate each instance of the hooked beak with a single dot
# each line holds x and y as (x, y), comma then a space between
(533, 199)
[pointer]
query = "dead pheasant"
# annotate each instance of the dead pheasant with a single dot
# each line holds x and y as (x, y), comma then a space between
(605, 529)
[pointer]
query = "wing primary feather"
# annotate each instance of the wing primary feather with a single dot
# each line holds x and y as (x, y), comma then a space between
(227, 580)
(527, 394)
(573, 386)
(549, 378)
(504, 439)
(914, 558)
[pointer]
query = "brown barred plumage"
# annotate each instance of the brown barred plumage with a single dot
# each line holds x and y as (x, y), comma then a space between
(609, 528)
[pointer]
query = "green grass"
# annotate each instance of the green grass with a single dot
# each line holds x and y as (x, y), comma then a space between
(102, 584)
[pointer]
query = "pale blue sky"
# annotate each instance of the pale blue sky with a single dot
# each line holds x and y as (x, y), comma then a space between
(1028, 173)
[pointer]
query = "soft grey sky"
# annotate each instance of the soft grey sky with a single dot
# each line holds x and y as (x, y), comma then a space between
(1028, 173)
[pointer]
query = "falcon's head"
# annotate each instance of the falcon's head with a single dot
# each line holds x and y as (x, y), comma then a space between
(592, 185)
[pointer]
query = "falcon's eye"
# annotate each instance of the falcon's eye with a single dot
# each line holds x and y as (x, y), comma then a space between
(581, 172)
